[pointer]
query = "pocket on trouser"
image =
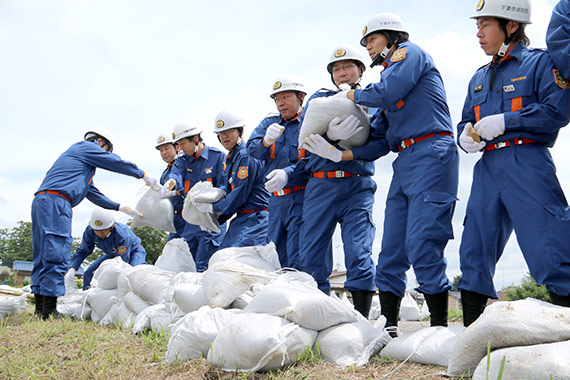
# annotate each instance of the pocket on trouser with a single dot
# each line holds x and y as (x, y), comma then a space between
(56, 248)
(558, 219)
(436, 215)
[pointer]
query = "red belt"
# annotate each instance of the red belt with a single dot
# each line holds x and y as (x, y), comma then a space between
(334, 174)
(252, 211)
(53, 192)
(504, 144)
(409, 142)
(178, 211)
(288, 190)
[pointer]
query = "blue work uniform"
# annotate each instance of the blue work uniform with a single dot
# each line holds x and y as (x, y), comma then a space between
(285, 206)
(558, 37)
(177, 205)
(342, 193)
(514, 182)
(414, 121)
(66, 184)
(188, 171)
(246, 197)
(121, 241)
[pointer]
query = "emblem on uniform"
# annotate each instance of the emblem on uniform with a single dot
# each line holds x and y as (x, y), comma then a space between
(398, 55)
(98, 223)
(122, 249)
(208, 170)
(480, 4)
(364, 30)
(340, 53)
(509, 88)
(219, 123)
(242, 172)
(277, 85)
(560, 80)
(161, 139)
(478, 88)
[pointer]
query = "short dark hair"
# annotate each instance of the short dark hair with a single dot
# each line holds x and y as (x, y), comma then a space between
(395, 37)
(518, 36)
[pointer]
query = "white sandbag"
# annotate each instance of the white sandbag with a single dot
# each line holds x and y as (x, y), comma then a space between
(192, 335)
(123, 284)
(160, 320)
(125, 317)
(176, 257)
(150, 283)
(9, 290)
(69, 303)
(94, 316)
(108, 272)
(291, 275)
(226, 280)
(259, 342)
(143, 319)
(374, 312)
(528, 362)
(431, 345)
(189, 297)
(13, 305)
(409, 309)
(424, 311)
(112, 315)
(380, 323)
(245, 298)
(157, 212)
(302, 304)
(134, 303)
(509, 324)
(202, 192)
(350, 344)
(320, 111)
(101, 300)
(261, 257)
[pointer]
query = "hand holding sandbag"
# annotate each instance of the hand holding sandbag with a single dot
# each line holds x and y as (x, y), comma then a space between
(343, 129)
(129, 211)
(316, 144)
(150, 181)
(166, 189)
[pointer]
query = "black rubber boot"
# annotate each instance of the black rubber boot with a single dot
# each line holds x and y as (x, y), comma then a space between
(362, 299)
(473, 305)
(559, 300)
(437, 304)
(390, 308)
(50, 308)
(38, 299)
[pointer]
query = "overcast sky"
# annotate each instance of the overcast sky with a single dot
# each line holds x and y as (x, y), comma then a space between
(139, 67)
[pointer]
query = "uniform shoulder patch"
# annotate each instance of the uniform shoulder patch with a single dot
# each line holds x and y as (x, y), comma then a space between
(398, 55)
(242, 172)
(122, 249)
(560, 80)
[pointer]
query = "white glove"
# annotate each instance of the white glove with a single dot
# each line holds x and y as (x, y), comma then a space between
(342, 130)
(277, 180)
(316, 144)
(204, 207)
(70, 280)
(272, 133)
(491, 126)
(466, 141)
(150, 181)
(166, 189)
(130, 212)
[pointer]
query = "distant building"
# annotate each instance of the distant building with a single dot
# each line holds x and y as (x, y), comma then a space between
(23, 272)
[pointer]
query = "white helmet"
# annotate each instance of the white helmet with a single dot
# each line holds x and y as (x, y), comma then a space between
(287, 83)
(100, 132)
(164, 138)
(184, 129)
(101, 219)
(343, 53)
(382, 21)
(513, 10)
(227, 120)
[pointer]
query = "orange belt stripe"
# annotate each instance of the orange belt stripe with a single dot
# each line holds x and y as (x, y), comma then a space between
(288, 190)
(53, 192)
(409, 142)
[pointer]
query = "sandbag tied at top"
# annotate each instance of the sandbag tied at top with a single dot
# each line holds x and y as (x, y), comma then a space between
(202, 192)
(157, 212)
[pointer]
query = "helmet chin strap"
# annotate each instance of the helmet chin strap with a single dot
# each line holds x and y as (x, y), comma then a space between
(379, 59)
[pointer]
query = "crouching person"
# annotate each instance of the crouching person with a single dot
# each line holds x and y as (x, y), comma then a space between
(114, 239)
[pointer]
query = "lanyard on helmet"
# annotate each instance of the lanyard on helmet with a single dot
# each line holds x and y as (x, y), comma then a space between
(499, 56)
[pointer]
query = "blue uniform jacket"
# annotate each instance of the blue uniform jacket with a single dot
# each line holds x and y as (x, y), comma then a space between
(410, 99)
(122, 241)
(284, 152)
(526, 91)
(177, 201)
(558, 37)
(244, 183)
(72, 173)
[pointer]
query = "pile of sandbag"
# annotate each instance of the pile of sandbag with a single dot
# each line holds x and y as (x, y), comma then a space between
(13, 305)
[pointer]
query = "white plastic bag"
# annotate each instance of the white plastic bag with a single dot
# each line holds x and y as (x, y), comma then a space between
(202, 192)
(409, 309)
(108, 272)
(134, 303)
(157, 212)
(176, 257)
(261, 257)
(101, 301)
(13, 305)
(189, 297)
(150, 283)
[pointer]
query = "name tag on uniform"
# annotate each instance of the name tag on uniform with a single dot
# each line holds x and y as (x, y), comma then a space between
(509, 88)
(208, 170)
(231, 180)
(478, 88)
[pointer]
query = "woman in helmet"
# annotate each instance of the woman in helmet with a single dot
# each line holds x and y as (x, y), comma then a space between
(114, 239)
(516, 105)
(413, 121)
(558, 37)
(246, 197)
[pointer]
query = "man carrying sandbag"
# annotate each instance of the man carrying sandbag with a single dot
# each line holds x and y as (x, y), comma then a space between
(114, 239)
(66, 184)
(275, 142)
(246, 197)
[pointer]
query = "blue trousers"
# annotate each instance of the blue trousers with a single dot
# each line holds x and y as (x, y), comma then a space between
(516, 188)
(179, 225)
(202, 244)
(284, 226)
(418, 215)
(247, 230)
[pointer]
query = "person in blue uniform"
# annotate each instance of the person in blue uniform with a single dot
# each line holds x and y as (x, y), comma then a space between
(275, 142)
(338, 192)
(198, 163)
(558, 37)
(514, 109)
(65, 185)
(413, 120)
(168, 151)
(246, 196)
(114, 239)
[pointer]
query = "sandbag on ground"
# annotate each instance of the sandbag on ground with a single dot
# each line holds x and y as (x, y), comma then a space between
(261, 257)
(409, 309)
(150, 283)
(259, 342)
(157, 212)
(176, 257)
(509, 324)
(13, 305)
(106, 276)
